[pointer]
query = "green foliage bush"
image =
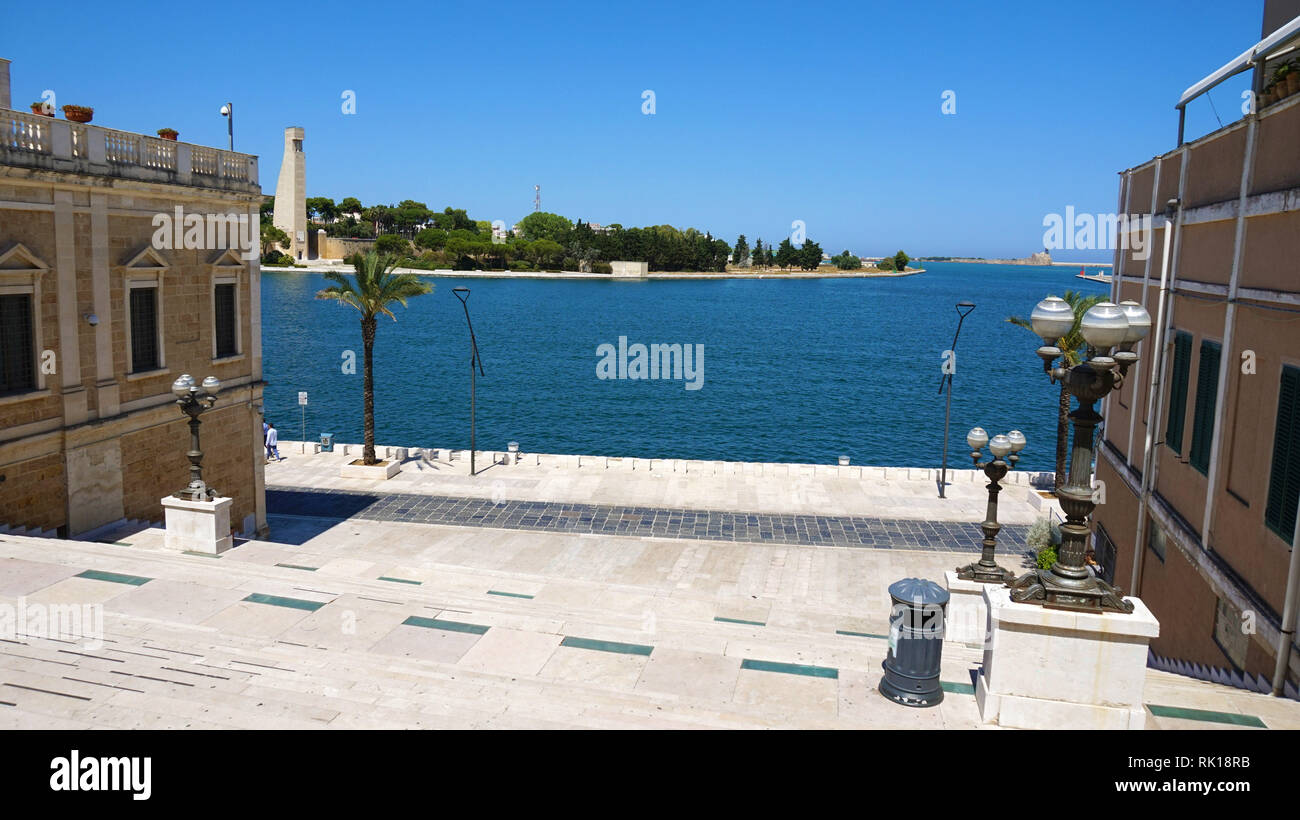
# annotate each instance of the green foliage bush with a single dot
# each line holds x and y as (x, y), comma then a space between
(601, 267)
(519, 264)
(1046, 557)
(391, 243)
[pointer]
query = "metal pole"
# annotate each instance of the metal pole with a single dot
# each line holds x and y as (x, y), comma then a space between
(230, 127)
(1287, 636)
(304, 429)
(462, 293)
(947, 377)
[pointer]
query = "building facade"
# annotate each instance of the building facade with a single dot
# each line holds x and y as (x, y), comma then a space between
(123, 265)
(1200, 458)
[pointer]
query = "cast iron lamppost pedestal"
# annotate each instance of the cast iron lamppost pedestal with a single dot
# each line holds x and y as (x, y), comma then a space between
(986, 569)
(193, 400)
(462, 293)
(1110, 332)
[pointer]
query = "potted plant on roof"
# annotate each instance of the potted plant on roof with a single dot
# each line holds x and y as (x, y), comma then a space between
(78, 113)
(169, 133)
(1292, 77)
(43, 108)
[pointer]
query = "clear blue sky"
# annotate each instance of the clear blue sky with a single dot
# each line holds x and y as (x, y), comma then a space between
(765, 112)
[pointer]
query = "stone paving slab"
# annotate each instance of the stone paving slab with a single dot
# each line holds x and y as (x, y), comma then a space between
(597, 519)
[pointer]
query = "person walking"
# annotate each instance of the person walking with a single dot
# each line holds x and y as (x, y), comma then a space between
(272, 442)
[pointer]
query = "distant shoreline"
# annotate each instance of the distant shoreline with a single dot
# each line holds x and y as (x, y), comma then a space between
(481, 274)
(1021, 263)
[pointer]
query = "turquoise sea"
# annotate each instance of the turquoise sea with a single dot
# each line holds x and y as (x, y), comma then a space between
(799, 370)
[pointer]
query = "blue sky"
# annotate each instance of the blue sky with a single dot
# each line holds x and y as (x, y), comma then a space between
(765, 113)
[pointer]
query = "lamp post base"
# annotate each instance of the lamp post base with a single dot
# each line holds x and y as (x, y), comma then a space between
(1052, 591)
(982, 573)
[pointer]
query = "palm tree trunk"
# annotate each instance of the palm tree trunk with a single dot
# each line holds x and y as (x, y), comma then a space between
(368, 390)
(1062, 436)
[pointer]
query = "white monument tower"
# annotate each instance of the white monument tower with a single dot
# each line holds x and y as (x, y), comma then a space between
(291, 195)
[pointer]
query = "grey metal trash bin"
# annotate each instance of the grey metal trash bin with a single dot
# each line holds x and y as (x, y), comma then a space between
(327, 442)
(916, 624)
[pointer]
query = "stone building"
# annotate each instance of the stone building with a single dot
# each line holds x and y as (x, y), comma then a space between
(125, 261)
(1201, 465)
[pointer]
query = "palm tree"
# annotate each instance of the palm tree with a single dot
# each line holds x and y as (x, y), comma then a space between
(371, 290)
(1071, 346)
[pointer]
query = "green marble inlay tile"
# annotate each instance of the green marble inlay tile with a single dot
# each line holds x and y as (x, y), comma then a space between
(202, 554)
(607, 646)
(790, 668)
(720, 619)
(291, 603)
(1206, 716)
(861, 634)
(297, 566)
(450, 626)
(509, 594)
(957, 688)
(113, 577)
(400, 580)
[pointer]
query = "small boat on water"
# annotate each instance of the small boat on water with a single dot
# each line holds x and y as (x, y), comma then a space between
(1099, 276)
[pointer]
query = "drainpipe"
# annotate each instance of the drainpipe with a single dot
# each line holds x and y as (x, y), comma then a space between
(1287, 635)
(1155, 396)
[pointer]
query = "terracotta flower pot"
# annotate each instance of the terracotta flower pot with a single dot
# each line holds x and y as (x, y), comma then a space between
(39, 108)
(78, 114)
(1292, 84)
(169, 136)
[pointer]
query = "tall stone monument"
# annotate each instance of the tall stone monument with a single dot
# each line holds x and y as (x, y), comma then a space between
(291, 195)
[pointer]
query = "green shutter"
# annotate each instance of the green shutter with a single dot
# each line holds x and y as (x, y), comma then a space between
(1207, 391)
(1284, 479)
(1178, 391)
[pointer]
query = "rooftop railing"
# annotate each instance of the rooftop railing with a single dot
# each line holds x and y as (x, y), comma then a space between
(35, 141)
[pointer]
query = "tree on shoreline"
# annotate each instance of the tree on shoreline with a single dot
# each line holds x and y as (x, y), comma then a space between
(740, 256)
(372, 290)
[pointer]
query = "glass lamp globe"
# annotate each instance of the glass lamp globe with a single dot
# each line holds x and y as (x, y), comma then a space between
(1052, 318)
(1139, 321)
(977, 438)
(1000, 445)
(212, 385)
(1017, 440)
(1104, 325)
(181, 387)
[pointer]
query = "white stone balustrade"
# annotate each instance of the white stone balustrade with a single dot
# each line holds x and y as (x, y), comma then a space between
(36, 141)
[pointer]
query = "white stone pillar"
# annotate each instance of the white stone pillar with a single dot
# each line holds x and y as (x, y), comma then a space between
(198, 526)
(1059, 669)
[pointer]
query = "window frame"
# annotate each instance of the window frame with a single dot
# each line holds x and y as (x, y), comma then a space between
(1276, 516)
(218, 280)
(24, 279)
(1201, 451)
(1178, 387)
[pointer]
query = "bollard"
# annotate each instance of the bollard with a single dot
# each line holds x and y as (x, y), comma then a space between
(915, 652)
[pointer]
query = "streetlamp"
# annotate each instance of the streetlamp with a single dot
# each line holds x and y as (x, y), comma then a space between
(1110, 332)
(986, 570)
(228, 111)
(462, 293)
(193, 399)
(946, 378)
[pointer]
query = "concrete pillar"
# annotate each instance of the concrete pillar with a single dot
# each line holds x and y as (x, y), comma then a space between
(5, 101)
(291, 194)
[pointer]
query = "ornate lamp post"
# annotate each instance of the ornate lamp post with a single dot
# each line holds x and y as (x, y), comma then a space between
(1110, 332)
(986, 570)
(193, 399)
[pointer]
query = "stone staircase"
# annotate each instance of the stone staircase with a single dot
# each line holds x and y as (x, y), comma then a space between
(1213, 674)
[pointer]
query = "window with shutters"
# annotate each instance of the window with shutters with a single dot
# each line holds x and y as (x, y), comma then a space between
(226, 324)
(1284, 477)
(1104, 551)
(1207, 389)
(1178, 391)
(144, 329)
(17, 344)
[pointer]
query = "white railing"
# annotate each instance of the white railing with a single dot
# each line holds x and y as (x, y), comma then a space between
(24, 132)
(121, 151)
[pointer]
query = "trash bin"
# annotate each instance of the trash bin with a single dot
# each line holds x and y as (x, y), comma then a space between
(327, 442)
(916, 624)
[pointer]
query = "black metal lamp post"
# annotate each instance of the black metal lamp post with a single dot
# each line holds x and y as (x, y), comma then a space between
(462, 293)
(963, 310)
(193, 399)
(986, 569)
(1110, 332)
(228, 111)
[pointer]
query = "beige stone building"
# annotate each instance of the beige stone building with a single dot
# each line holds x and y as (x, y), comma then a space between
(1201, 464)
(122, 266)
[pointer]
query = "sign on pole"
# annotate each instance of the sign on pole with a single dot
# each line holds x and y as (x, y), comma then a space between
(302, 402)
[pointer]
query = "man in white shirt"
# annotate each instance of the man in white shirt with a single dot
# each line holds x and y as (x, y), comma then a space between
(272, 442)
